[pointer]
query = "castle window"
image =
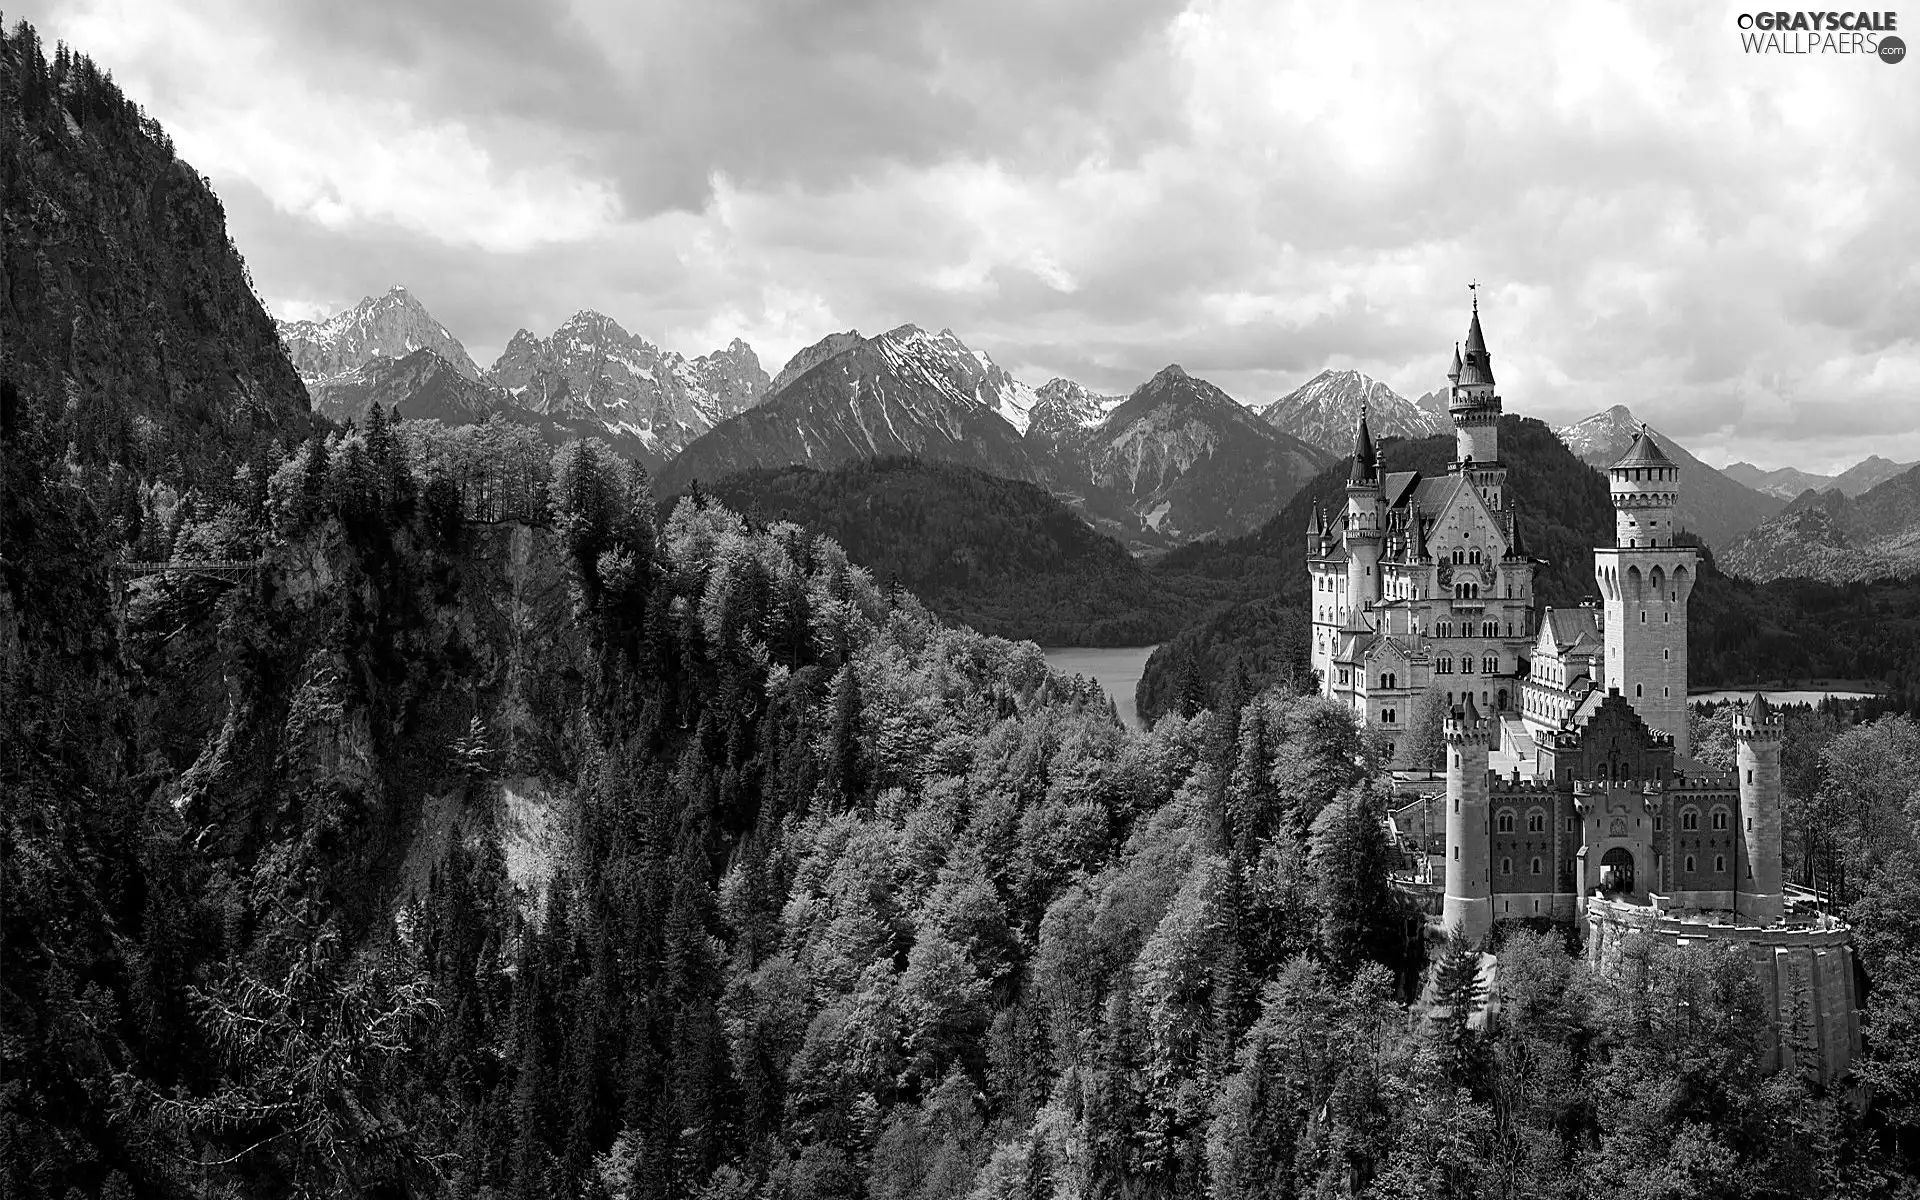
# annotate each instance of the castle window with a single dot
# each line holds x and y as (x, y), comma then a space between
(1536, 822)
(1666, 692)
(1636, 691)
(1506, 866)
(1456, 854)
(1491, 665)
(1749, 775)
(1506, 822)
(1719, 863)
(1536, 866)
(1466, 664)
(1689, 863)
(1749, 824)
(1643, 616)
(1569, 824)
(1689, 819)
(1386, 716)
(1666, 655)
(1719, 818)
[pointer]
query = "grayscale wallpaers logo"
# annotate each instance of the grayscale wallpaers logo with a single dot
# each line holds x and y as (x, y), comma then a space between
(1862, 33)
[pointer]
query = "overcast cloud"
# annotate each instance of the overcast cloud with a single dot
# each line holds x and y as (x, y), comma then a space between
(1728, 244)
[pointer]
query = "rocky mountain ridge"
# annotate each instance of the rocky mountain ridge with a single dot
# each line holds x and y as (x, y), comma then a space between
(1324, 410)
(592, 369)
(392, 325)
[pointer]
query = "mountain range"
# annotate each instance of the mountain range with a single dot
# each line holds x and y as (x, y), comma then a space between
(590, 376)
(1174, 461)
(1789, 482)
(1716, 507)
(1835, 537)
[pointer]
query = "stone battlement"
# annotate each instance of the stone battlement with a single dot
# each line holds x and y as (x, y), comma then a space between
(1717, 783)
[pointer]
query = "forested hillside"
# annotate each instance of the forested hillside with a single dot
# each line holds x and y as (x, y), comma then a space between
(1002, 556)
(120, 293)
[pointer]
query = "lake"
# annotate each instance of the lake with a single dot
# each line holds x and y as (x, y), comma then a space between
(1773, 697)
(1116, 669)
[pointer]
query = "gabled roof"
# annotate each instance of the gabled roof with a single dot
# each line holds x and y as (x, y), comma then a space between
(1432, 495)
(1398, 483)
(1644, 452)
(1568, 625)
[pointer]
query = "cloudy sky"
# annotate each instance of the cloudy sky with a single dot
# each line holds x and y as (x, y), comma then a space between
(1729, 244)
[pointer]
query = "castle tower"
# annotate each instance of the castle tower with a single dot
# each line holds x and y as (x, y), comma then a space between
(1366, 519)
(1475, 408)
(1757, 731)
(1644, 581)
(1468, 907)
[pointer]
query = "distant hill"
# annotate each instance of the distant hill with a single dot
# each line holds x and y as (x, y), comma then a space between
(1713, 505)
(1836, 538)
(1003, 556)
(1324, 411)
(1788, 482)
(1784, 482)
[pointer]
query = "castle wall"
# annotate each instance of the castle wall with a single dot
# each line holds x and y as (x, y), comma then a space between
(1805, 974)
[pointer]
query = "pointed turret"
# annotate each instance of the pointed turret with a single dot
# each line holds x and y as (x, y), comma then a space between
(1475, 407)
(1366, 461)
(1515, 548)
(1453, 372)
(1476, 365)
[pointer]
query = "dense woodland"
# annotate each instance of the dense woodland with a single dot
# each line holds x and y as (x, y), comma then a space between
(497, 835)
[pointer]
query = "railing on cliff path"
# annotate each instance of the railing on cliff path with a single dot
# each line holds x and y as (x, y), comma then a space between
(213, 568)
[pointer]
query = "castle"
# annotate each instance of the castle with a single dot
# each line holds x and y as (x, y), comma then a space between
(1570, 789)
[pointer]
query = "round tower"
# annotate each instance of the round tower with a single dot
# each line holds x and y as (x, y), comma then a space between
(1468, 907)
(1757, 732)
(1645, 580)
(1366, 520)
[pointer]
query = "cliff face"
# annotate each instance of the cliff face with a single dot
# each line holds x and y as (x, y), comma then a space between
(342, 674)
(122, 301)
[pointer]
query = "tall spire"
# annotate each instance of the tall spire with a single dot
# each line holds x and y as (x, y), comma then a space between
(1453, 372)
(1365, 458)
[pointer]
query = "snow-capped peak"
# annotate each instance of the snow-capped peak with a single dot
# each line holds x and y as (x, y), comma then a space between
(1324, 410)
(391, 325)
(1600, 433)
